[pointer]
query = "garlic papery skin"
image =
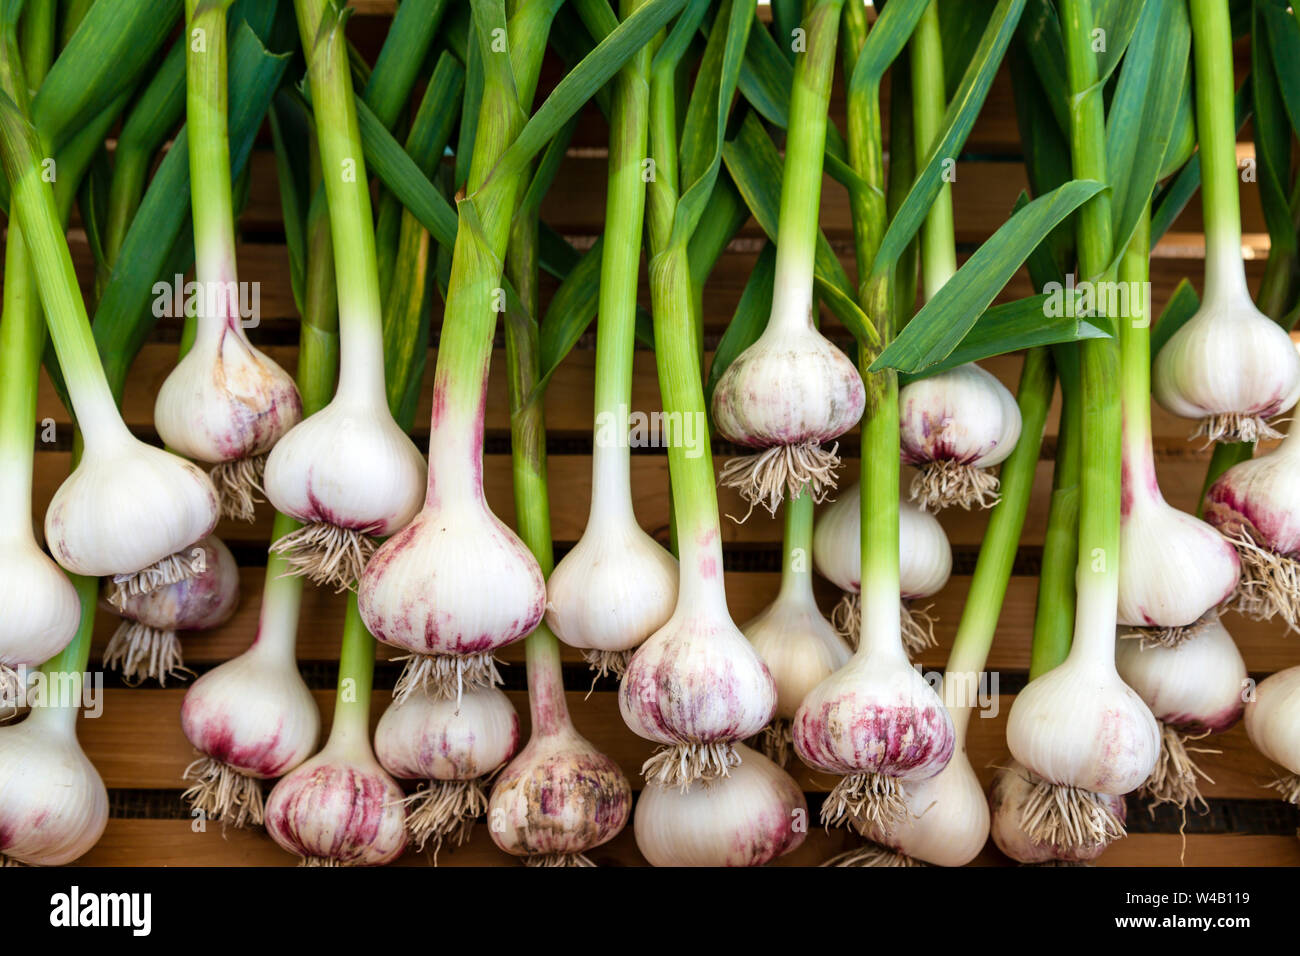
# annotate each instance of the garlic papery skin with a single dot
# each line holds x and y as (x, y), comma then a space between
(787, 394)
(1230, 365)
(145, 645)
(350, 474)
(53, 805)
(251, 718)
(1271, 721)
(1194, 688)
(454, 746)
(1254, 505)
(1012, 790)
(752, 816)
(451, 588)
(39, 608)
(131, 512)
(227, 404)
(954, 426)
(615, 588)
(696, 685)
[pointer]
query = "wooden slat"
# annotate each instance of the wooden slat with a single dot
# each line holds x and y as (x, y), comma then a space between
(175, 843)
(137, 743)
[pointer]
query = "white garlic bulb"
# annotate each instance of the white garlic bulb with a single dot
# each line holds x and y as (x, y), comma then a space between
(750, 817)
(1272, 722)
(954, 426)
(798, 645)
(39, 608)
(53, 805)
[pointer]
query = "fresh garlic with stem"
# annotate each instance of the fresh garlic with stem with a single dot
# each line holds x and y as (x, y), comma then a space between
(251, 718)
(1230, 365)
(1194, 688)
(1271, 720)
(924, 556)
(1254, 505)
(145, 644)
(53, 805)
(957, 425)
(225, 403)
(798, 645)
(792, 392)
(454, 746)
(748, 818)
(559, 797)
(341, 808)
(128, 510)
(1012, 817)
(348, 472)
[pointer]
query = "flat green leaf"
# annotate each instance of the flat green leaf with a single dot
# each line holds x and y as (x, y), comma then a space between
(1272, 135)
(1182, 305)
(957, 123)
(290, 130)
(1115, 22)
(1140, 121)
(408, 41)
(1283, 33)
(1022, 324)
(961, 23)
(1040, 37)
(749, 320)
(945, 320)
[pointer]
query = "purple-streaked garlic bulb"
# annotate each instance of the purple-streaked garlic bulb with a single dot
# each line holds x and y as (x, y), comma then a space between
(560, 797)
(1194, 688)
(954, 427)
(340, 808)
(251, 718)
(615, 588)
(226, 404)
(350, 475)
(453, 746)
(53, 805)
(1256, 506)
(878, 724)
(1015, 801)
(750, 817)
(39, 608)
(451, 588)
(145, 645)
(947, 821)
(787, 396)
(697, 686)
(924, 557)
(1272, 719)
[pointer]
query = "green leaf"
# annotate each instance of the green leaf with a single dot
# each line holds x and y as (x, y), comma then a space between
(1272, 136)
(961, 24)
(1283, 33)
(570, 311)
(1182, 305)
(1140, 121)
(290, 130)
(957, 123)
(1022, 324)
(945, 320)
(750, 319)
(409, 37)
(1117, 22)
(1040, 37)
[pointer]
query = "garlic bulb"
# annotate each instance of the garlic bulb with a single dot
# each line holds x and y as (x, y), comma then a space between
(145, 645)
(1194, 688)
(53, 805)
(750, 817)
(1010, 798)
(1271, 722)
(696, 686)
(252, 718)
(227, 404)
(131, 512)
(39, 608)
(451, 588)
(1230, 366)
(1254, 505)
(350, 474)
(954, 426)
(925, 563)
(615, 588)
(786, 395)
(453, 746)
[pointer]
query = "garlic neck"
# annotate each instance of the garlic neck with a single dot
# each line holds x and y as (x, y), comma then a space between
(792, 304)
(361, 357)
(700, 589)
(277, 624)
(611, 473)
(546, 702)
(456, 452)
(796, 559)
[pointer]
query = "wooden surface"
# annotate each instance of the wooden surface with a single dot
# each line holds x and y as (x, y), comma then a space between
(137, 744)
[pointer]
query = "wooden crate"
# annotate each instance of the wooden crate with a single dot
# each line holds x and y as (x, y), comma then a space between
(138, 746)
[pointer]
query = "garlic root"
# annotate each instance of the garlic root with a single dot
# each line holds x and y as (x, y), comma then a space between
(765, 477)
(172, 569)
(873, 854)
(943, 483)
(776, 740)
(238, 484)
(1066, 816)
(607, 663)
(141, 653)
(1270, 583)
(1234, 427)
(442, 810)
(682, 764)
(326, 554)
(874, 799)
(1175, 777)
(223, 793)
(446, 676)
